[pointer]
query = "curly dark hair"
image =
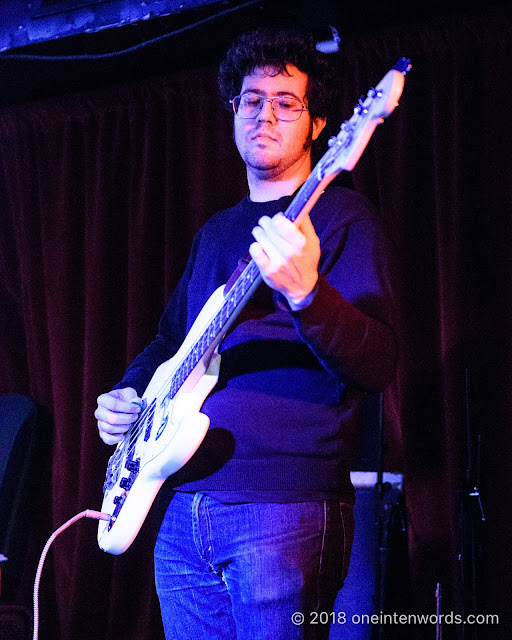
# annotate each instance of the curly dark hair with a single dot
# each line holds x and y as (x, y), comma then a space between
(273, 49)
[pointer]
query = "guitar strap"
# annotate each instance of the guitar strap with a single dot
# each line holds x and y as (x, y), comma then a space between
(242, 263)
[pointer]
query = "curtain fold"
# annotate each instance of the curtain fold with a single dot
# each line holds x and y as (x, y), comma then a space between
(100, 195)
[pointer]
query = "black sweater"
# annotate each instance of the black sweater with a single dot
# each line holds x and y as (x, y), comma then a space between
(284, 415)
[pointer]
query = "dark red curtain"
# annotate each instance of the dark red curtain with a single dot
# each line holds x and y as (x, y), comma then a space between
(100, 195)
(440, 173)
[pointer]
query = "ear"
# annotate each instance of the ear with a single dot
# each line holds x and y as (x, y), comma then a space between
(318, 125)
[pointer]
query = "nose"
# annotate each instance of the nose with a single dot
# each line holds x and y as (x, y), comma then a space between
(266, 114)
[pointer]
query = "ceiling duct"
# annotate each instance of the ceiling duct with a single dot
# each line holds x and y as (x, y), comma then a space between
(25, 23)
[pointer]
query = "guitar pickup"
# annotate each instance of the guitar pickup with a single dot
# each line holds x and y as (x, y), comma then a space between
(126, 483)
(133, 466)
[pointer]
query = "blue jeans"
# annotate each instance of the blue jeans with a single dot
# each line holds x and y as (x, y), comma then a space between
(240, 571)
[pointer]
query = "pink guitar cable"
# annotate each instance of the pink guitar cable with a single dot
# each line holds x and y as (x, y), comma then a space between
(88, 513)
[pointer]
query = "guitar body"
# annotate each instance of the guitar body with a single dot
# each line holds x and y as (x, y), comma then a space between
(170, 427)
(159, 447)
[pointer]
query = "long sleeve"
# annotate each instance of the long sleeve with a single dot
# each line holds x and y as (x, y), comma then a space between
(285, 413)
(349, 323)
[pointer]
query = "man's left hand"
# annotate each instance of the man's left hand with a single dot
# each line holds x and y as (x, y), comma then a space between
(287, 256)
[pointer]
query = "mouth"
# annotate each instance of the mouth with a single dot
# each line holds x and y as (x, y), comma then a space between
(262, 137)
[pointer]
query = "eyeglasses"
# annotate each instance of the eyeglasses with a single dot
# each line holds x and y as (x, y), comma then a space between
(285, 108)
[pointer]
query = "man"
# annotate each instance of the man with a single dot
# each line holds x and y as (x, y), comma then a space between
(259, 528)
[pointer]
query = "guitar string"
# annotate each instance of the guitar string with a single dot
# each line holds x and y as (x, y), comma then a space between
(201, 345)
(181, 372)
(250, 272)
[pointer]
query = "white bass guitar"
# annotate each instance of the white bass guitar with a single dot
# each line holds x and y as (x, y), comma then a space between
(170, 426)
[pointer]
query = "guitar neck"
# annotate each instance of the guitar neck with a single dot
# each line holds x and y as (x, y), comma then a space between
(308, 194)
(343, 153)
(243, 287)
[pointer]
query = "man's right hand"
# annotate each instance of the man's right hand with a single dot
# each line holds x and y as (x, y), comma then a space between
(116, 412)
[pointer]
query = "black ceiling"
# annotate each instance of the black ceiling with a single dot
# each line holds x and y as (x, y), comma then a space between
(202, 29)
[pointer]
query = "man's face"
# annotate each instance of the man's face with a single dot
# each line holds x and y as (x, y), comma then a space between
(273, 149)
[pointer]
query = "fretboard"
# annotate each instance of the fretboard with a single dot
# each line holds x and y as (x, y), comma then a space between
(237, 296)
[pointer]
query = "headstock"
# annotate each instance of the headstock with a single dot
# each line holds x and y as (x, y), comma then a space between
(346, 148)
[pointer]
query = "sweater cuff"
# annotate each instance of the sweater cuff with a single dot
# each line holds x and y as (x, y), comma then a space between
(283, 303)
(312, 302)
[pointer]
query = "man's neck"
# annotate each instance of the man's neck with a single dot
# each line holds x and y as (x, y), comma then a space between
(264, 189)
